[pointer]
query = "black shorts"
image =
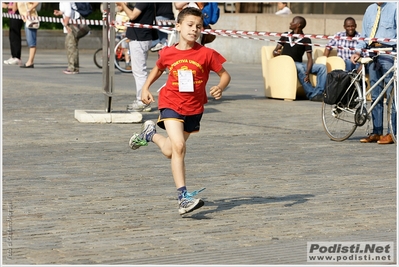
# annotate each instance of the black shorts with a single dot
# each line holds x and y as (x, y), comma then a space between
(191, 123)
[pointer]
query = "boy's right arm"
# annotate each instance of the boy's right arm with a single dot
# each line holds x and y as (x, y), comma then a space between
(146, 96)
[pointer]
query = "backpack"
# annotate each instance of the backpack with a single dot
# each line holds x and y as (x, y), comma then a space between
(84, 9)
(211, 13)
(337, 83)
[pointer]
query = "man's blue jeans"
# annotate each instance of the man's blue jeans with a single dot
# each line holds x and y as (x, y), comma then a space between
(376, 70)
(349, 66)
(320, 70)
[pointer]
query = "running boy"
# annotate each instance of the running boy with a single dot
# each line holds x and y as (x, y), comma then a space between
(182, 99)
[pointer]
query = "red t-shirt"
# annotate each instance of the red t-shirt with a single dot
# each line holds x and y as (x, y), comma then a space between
(200, 60)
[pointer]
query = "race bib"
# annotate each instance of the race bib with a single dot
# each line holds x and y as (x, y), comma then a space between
(186, 82)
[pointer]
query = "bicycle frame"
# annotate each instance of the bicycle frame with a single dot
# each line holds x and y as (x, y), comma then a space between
(364, 93)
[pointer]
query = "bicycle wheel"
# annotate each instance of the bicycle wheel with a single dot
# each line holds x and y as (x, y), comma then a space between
(339, 119)
(121, 52)
(391, 109)
(98, 58)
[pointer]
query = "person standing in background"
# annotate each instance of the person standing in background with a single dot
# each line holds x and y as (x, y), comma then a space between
(140, 42)
(29, 9)
(164, 11)
(121, 33)
(283, 9)
(379, 21)
(14, 35)
(74, 33)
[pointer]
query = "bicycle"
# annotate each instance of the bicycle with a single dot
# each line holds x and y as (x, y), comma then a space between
(340, 120)
(120, 61)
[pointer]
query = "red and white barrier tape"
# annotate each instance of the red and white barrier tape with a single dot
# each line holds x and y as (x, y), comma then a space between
(261, 38)
(54, 19)
(251, 35)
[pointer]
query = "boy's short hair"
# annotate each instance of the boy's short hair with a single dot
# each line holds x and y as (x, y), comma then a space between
(189, 11)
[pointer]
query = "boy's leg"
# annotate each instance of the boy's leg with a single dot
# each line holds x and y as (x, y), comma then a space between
(175, 145)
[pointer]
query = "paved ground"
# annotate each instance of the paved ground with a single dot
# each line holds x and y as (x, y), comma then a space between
(74, 193)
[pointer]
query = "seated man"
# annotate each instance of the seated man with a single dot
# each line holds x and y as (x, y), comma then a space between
(295, 47)
(345, 54)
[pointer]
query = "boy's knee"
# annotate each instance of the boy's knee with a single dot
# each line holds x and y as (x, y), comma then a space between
(179, 148)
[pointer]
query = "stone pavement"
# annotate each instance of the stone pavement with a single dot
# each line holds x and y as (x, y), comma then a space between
(75, 193)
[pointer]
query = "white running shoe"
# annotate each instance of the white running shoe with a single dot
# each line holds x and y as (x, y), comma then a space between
(7, 62)
(157, 47)
(188, 203)
(14, 61)
(139, 106)
(142, 139)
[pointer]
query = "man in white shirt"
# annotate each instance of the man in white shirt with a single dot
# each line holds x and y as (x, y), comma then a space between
(74, 33)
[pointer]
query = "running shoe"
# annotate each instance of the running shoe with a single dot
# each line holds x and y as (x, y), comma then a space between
(67, 71)
(138, 106)
(13, 61)
(188, 203)
(142, 139)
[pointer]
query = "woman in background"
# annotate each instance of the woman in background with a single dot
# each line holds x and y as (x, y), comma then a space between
(14, 34)
(283, 9)
(29, 9)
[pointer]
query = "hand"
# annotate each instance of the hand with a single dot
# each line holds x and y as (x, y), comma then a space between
(306, 80)
(216, 92)
(146, 97)
(355, 58)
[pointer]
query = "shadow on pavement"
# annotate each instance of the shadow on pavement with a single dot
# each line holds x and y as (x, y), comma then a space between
(230, 203)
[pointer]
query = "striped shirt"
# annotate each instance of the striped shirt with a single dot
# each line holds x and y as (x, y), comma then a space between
(343, 53)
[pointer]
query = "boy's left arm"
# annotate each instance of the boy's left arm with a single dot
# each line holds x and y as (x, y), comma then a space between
(216, 91)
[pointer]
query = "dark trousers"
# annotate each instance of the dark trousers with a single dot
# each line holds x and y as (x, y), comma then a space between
(15, 37)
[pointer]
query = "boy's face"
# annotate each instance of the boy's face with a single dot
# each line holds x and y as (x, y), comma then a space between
(190, 28)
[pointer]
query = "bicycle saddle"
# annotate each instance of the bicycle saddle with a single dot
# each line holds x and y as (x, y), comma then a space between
(365, 60)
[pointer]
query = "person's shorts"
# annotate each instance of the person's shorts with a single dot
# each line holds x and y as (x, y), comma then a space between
(30, 37)
(191, 123)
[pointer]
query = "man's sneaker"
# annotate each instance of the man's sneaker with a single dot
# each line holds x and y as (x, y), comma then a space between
(13, 61)
(188, 203)
(7, 62)
(67, 71)
(138, 106)
(142, 139)
(158, 47)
